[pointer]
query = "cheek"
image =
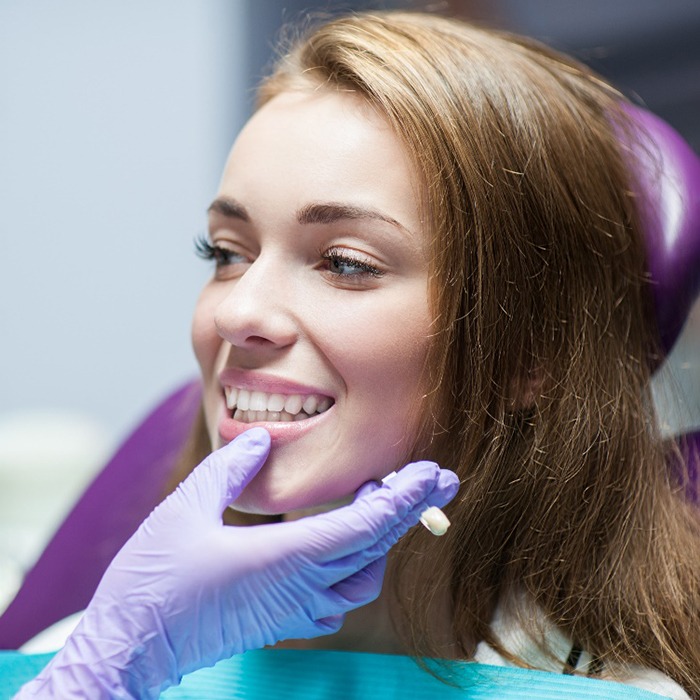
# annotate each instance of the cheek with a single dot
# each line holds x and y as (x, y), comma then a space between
(207, 344)
(380, 353)
(396, 344)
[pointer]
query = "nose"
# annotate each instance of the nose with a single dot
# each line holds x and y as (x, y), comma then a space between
(256, 312)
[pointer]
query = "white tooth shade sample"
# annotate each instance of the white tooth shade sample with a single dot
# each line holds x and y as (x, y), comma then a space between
(432, 517)
(435, 520)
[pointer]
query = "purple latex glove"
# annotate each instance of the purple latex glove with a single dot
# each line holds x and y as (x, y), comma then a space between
(186, 591)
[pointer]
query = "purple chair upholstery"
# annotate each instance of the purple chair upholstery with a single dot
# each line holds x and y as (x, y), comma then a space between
(65, 576)
(131, 484)
(669, 178)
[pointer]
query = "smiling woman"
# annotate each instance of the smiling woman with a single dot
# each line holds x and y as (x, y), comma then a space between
(318, 263)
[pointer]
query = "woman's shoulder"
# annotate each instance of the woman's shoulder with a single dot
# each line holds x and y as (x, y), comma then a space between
(524, 633)
(645, 679)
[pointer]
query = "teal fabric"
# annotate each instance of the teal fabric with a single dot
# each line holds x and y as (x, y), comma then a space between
(16, 669)
(271, 674)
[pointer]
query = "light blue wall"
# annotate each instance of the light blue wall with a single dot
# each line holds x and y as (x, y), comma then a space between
(115, 120)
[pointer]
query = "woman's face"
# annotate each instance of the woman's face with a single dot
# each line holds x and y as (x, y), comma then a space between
(315, 324)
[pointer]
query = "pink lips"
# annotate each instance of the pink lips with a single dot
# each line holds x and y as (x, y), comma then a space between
(264, 382)
(279, 432)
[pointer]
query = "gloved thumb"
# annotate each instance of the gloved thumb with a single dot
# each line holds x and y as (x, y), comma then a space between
(366, 488)
(221, 477)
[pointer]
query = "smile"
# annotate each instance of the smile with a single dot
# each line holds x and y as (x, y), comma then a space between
(259, 406)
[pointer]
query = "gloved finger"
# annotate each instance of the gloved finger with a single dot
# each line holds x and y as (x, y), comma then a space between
(364, 522)
(367, 488)
(359, 589)
(333, 572)
(363, 586)
(327, 625)
(443, 492)
(446, 489)
(221, 477)
(358, 525)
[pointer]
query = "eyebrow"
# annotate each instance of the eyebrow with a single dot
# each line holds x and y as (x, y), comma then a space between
(314, 213)
(228, 207)
(331, 212)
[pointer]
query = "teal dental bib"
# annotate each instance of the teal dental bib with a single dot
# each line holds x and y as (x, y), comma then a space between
(275, 674)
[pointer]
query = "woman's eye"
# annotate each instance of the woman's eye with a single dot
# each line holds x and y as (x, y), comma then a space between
(221, 256)
(344, 264)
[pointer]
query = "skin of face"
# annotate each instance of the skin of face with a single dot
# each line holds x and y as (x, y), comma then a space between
(321, 288)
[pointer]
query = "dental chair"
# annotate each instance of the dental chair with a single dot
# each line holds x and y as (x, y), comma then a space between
(132, 483)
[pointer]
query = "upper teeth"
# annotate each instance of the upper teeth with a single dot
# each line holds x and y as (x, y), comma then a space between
(246, 400)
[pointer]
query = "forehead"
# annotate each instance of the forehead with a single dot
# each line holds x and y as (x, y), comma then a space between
(324, 146)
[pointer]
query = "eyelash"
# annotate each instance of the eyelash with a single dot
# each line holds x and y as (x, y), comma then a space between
(333, 256)
(363, 265)
(207, 251)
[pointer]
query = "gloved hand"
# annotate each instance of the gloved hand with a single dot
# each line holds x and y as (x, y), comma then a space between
(186, 591)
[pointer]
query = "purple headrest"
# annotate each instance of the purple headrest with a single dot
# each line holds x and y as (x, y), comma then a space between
(669, 180)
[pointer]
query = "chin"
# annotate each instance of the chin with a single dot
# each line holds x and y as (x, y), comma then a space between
(261, 497)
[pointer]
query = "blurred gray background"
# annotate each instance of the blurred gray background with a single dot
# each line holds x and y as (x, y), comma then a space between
(115, 121)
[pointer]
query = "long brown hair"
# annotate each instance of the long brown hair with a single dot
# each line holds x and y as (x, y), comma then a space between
(540, 361)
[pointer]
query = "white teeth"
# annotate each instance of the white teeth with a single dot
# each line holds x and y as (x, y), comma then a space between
(258, 401)
(275, 402)
(309, 405)
(257, 406)
(243, 399)
(293, 404)
(267, 416)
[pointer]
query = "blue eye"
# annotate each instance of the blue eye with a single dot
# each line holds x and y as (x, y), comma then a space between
(346, 265)
(221, 256)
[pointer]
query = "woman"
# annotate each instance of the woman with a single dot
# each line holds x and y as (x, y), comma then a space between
(427, 246)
